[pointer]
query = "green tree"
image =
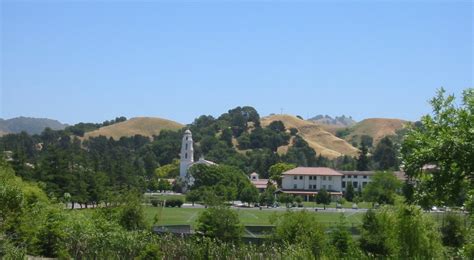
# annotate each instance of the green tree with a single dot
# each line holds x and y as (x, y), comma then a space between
(249, 194)
(382, 189)
(300, 228)
(350, 193)
(221, 223)
(453, 231)
(341, 239)
(131, 214)
(278, 169)
(323, 197)
(378, 233)
(418, 235)
(443, 140)
(363, 159)
(386, 155)
(286, 199)
(193, 196)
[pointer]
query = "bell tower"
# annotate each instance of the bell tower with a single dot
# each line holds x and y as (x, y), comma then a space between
(187, 154)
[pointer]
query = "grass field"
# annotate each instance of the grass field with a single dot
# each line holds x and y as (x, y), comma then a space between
(189, 216)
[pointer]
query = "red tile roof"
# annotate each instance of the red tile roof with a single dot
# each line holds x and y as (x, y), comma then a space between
(261, 184)
(323, 171)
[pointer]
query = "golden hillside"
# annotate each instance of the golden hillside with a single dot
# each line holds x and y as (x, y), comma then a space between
(146, 126)
(377, 128)
(321, 141)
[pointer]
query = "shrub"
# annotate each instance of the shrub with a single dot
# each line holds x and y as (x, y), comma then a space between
(221, 223)
(156, 202)
(453, 231)
(174, 203)
(300, 228)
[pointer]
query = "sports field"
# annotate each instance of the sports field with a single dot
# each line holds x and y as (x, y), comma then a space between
(189, 216)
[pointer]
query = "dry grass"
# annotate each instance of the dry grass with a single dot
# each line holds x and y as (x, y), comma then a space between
(377, 128)
(146, 126)
(322, 141)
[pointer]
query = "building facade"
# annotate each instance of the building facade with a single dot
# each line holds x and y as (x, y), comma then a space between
(307, 181)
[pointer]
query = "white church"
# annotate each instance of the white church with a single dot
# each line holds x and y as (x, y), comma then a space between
(187, 158)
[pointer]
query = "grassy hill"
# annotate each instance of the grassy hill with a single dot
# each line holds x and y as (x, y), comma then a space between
(146, 126)
(377, 128)
(320, 140)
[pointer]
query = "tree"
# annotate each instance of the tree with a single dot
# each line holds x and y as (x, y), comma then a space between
(341, 239)
(221, 223)
(249, 194)
(286, 199)
(363, 160)
(278, 169)
(323, 197)
(453, 232)
(367, 140)
(382, 189)
(349, 194)
(300, 228)
(385, 155)
(378, 233)
(444, 141)
(193, 196)
(132, 215)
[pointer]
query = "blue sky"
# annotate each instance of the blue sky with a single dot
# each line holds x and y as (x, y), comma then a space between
(91, 61)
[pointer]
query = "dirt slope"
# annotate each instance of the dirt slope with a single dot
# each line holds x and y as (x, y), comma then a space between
(320, 140)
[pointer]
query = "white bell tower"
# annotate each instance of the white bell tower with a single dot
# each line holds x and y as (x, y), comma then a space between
(187, 154)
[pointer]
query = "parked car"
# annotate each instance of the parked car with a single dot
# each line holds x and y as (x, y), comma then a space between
(338, 206)
(354, 206)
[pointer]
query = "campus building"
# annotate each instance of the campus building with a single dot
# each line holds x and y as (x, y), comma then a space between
(307, 181)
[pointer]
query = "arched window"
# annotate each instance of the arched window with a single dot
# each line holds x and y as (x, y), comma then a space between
(187, 138)
(186, 156)
(186, 147)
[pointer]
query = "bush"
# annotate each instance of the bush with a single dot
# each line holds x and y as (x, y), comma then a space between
(300, 228)
(156, 202)
(453, 231)
(174, 203)
(221, 223)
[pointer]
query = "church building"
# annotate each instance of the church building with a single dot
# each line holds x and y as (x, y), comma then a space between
(187, 158)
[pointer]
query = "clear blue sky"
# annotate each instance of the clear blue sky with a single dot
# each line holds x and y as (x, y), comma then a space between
(91, 61)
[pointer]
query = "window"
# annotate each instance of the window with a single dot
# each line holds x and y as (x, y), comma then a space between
(329, 187)
(186, 146)
(343, 184)
(355, 176)
(186, 156)
(330, 178)
(301, 177)
(349, 176)
(295, 186)
(324, 178)
(354, 184)
(295, 177)
(324, 186)
(343, 176)
(310, 177)
(364, 184)
(186, 138)
(365, 176)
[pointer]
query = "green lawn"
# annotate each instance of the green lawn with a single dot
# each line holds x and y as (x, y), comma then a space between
(188, 216)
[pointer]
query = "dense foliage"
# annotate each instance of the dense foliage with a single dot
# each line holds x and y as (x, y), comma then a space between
(439, 152)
